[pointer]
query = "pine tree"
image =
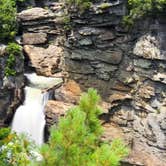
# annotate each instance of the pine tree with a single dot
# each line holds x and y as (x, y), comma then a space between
(76, 139)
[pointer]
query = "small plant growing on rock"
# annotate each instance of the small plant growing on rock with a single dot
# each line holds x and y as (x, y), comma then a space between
(76, 139)
(12, 51)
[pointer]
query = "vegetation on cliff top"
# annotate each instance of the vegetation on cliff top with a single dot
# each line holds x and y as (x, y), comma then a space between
(75, 141)
(8, 10)
(8, 25)
(8, 19)
(140, 8)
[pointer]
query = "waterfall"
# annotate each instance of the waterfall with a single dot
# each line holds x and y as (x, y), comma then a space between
(29, 117)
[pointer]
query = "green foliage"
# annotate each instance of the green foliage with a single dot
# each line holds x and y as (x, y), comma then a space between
(107, 155)
(8, 25)
(140, 8)
(89, 105)
(76, 139)
(8, 20)
(74, 142)
(12, 51)
(15, 150)
(4, 132)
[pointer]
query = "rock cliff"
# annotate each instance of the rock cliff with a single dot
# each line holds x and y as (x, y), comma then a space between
(127, 66)
(10, 87)
(129, 69)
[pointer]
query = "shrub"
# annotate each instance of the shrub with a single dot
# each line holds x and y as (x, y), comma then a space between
(76, 139)
(140, 8)
(15, 150)
(8, 25)
(4, 132)
(12, 51)
(8, 20)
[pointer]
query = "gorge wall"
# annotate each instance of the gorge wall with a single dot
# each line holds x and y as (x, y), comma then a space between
(129, 70)
(127, 66)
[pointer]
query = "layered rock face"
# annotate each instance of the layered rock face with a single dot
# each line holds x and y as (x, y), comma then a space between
(10, 88)
(42, 33)
(129, 70)
(90, 48)
(128, 67)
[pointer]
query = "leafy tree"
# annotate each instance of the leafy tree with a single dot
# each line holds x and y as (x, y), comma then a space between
(76, 139)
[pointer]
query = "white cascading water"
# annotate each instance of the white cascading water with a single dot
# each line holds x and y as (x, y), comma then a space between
(29, 117)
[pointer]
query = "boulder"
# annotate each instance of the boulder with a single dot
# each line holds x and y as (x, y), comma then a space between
(34, 38)
(148, 47)
(36, 13)
(45, 60)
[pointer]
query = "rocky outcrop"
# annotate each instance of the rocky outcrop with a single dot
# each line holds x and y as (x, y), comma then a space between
(39, 20)
(42, 36)
(10, 87)
(45, 61)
